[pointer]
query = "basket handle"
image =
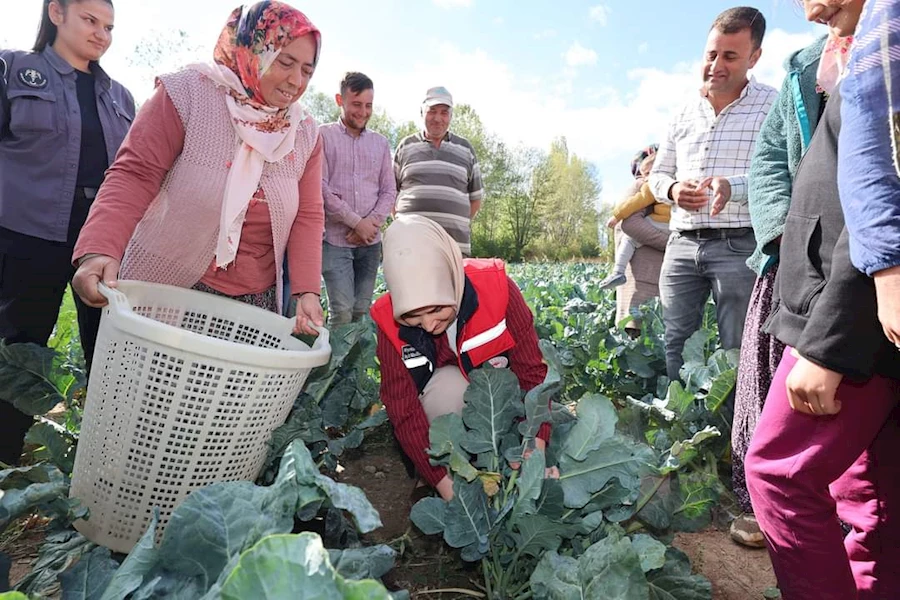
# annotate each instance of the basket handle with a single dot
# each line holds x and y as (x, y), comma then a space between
(322, 339)
(118, 301)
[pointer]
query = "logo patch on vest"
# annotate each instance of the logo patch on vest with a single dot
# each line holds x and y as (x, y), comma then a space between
(32, 78)
(3, 68)
(412, 358)
(499, 362)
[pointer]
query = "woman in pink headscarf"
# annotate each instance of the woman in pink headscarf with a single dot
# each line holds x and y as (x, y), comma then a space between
(220, 176)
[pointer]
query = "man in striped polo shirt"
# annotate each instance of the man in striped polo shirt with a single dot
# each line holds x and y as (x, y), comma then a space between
(437, 172)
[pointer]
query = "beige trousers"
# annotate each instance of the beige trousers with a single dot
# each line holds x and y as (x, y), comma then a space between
(443, 394)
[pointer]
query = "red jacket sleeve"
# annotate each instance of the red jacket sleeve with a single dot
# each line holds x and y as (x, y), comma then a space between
(401, 401)
(525, 359)
(155, 140)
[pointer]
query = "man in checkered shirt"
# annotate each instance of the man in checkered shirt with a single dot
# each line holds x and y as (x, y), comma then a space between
(702, 169)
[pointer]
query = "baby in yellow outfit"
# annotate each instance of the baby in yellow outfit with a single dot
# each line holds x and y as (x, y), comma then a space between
(658, 216)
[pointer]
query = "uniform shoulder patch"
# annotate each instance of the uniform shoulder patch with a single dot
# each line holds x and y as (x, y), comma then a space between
(4, 68)
(409, 352)
(32, 77)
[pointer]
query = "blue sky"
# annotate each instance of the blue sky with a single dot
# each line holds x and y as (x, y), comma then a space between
(605, 74)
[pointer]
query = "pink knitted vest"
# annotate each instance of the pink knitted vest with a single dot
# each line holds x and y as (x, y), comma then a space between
(175, 241)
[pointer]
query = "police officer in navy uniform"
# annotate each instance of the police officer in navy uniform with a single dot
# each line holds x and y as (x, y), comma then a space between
(62, 120)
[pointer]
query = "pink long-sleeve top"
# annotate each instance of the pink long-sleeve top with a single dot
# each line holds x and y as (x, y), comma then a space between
(148, 153)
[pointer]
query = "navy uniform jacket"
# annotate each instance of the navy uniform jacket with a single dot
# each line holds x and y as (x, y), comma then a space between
(40, 138)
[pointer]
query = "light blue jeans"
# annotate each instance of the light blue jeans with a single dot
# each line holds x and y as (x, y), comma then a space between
(692, 269)
(349, 275)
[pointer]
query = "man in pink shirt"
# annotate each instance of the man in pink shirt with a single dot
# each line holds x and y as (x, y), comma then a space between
(359, 190)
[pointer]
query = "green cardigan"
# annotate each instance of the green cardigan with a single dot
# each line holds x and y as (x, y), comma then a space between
(782, 141)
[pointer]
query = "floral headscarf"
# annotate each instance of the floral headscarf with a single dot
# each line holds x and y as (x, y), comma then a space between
(832, 64)
(254, 36)
(251, 41)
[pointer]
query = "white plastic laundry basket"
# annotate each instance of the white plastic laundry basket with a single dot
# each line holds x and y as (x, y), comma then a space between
(185, 390)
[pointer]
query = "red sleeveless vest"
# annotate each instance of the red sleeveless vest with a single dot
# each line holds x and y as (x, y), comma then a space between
(484, 336)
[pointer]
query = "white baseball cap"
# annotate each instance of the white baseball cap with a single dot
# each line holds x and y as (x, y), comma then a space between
(437, 95)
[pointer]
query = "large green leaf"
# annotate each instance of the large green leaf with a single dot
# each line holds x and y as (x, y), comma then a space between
(674, 580)
(38, 487)
(695, 354)
(723, 382)
(299, 471)
(33, 379)
(615, 458)
(698, 493)
(446, 436)
(292, 567)
(596, 423)
(369, 562)
(556, 578)
(467, 521)
(683, 452)
(343, 341)
(538, 534)
(538, 402)
(139, 563)
(218, 522)
(493, 402)
(60, 550)
(611, 570)
(551, 502)
(529, 484)
(429, 515)
(304, 423)
(353, 500)
(608, 570)
(89, 577)
(651, 551)
(53, 445)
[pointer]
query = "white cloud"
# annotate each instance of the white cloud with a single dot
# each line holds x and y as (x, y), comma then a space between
(600, 14)
(643, 48)
(453, 3)
(579, 56)
(545, 34)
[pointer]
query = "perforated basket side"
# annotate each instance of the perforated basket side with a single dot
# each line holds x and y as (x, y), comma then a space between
(162, 421)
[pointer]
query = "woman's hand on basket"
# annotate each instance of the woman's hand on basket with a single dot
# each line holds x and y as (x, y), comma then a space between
(91, 271)
(309, 313)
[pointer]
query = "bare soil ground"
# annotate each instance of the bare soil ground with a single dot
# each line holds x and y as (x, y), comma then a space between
(736, 573)
(432, 571)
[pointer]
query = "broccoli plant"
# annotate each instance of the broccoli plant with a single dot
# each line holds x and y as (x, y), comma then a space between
(510, 520)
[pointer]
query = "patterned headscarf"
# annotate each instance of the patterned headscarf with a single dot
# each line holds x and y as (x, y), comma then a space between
(251, 41)
(254, 36)
(833, 63)
(641, 157)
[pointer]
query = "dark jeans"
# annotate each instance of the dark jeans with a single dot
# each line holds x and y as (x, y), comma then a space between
(31, 292)
(691, 270)
(349, 275)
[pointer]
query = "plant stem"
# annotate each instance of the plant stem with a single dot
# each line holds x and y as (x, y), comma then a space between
(525, 596)
(471, 593)
(512, 482)
(519, 590)
(487, 577)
